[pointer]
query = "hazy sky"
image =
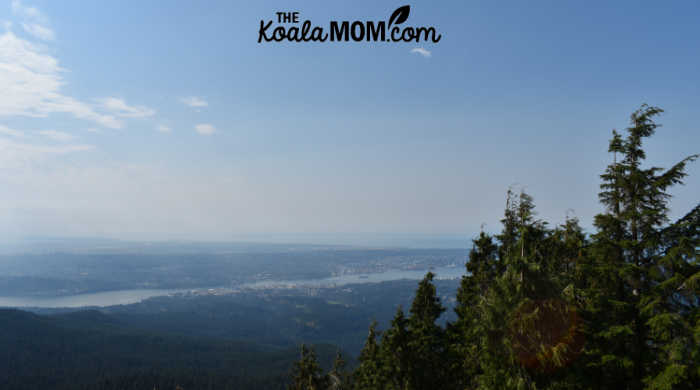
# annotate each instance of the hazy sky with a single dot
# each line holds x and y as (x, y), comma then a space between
(167, 120)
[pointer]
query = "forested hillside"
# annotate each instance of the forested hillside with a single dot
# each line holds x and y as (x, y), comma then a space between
(550, 307)
(246, 340)
(89, 350)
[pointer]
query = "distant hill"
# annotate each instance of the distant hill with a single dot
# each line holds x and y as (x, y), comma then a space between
(91, 350)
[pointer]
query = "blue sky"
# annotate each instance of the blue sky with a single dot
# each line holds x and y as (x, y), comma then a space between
(167, 120)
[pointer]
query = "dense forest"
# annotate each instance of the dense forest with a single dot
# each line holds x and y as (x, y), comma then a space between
(91, 350)
(246, 340)
(552, 307)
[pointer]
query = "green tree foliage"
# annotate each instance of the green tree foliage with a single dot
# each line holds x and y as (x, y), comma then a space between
(552, 308)
(426, 339)
(368, 374)
(338, 377)
(395, 353)
(306, 373)
(467, 333)
(640, 303)
(411, 352)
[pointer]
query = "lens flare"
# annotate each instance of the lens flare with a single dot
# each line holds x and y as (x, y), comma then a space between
(546, 334)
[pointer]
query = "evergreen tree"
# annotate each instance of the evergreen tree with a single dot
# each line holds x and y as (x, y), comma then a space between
(467, 333)
(395, 353)
(510, 231)
(526, 320)
(306, 373)
(369, 373)
(506, 309)
(427, 338)
(673, 308)
(338, 378)
(628, 258)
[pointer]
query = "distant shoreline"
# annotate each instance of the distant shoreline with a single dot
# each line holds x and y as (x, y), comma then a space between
(131, 296)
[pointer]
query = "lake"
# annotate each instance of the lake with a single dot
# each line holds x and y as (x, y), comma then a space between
(126, 297)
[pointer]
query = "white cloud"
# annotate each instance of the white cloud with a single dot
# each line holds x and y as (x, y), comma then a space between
(15, 155)
(163, 129)
(27, 12)
(120, 108)
(205, 129)
(194, 101)
(39, 31)
(57, 135)
(4, 130)
(33, 22)
(31, 81)
(419, 50)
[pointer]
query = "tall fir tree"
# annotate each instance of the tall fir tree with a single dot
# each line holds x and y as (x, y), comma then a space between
(395, 354)
(673, 308)
(505, 307)
(338, 378)
(306, 372)
(628, 257)
(467, 333)
(427, 339)
(369, 373)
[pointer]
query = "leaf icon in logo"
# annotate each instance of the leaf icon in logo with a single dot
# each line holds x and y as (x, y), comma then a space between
(400, 15)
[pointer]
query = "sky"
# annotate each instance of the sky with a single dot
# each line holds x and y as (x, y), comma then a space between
(167, 120)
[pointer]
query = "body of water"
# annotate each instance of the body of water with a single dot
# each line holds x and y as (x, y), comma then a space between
(106, 298)
(126, 297)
